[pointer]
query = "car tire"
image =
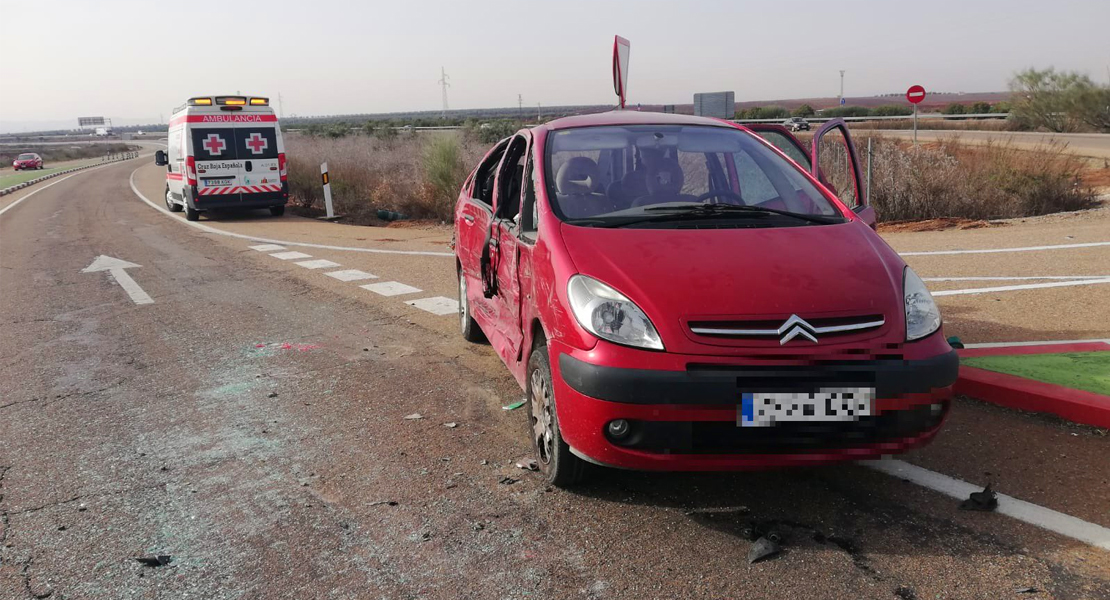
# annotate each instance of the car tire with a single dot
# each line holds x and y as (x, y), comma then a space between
(191, 214)
(559, 466)
(470, 330)
(170, 204)
(277, 211)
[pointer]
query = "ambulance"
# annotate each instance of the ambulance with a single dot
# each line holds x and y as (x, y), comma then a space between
(224, 153)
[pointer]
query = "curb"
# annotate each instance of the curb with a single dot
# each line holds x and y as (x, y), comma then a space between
(19, 186)
(1079, 406)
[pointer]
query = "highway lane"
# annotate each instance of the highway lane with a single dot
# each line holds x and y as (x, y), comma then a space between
(1095, 145)
(250, 423)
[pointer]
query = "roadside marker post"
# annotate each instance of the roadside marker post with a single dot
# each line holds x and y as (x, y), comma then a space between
(327, 190)
(915, 95)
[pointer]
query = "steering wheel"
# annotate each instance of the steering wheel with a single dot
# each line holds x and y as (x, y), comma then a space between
(721, 194)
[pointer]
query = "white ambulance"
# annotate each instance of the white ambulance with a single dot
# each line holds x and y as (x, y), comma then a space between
(224, 152)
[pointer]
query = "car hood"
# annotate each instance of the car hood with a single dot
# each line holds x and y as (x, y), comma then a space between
(679, 275)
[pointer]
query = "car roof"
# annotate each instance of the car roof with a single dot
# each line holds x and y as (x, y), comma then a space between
(630, 117)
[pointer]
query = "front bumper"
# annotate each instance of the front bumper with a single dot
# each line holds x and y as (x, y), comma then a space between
(687, 419)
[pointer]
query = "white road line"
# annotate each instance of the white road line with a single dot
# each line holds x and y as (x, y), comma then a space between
(267, 247)
(252, 238)
(437, 305)
(994, 250)
(351, 275)
(291, 255)
(1045, 518)
(1047, 343)
(318, 264)
(1029, 286)
(390, 288)
(1062, 277)
(39, 189)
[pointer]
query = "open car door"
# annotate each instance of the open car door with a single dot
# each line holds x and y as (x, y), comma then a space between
(834, 162)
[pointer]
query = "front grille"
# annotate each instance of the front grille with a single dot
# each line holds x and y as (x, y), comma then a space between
(784, 330)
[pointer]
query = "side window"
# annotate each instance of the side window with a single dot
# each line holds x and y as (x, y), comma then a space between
(510, 180)
(529, 209)
(486, 174)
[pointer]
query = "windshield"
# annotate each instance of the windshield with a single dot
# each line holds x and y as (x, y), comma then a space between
(617, 173)
(26, 157)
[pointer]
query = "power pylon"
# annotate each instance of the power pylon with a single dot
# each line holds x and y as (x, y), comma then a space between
(443, 83)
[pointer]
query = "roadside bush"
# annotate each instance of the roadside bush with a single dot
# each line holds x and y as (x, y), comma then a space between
(954, 108)
(804, 111)
(988, 181)
(891, 110)
(444, 173)
(491, 132)
(763, 112)
(1059, 101)
(847, 111)
(978, 108)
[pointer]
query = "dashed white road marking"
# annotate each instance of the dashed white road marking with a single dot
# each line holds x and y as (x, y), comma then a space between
(390, 288)
(1042, 517)
(351, 275)
(1024, 278)
(995, 250)
(319, 263)
(437, 305)
(291, 255)
(1030, 286)
(267, 247)
(253, 238)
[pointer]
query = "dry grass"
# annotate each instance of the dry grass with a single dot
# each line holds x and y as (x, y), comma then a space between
(368, 173)
(985, 181)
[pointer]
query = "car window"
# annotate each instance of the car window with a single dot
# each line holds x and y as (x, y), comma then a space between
(672, 164)
(486, 175)
(26, 157)
(788, 147)
(511, 178)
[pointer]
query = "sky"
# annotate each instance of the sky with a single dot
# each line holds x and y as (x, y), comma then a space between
(134, 60)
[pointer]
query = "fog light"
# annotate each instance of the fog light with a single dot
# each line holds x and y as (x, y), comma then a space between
(936, 409)
(618, 428)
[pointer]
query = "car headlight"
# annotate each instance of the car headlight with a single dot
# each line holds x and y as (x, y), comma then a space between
(922, 314)
(610, 315)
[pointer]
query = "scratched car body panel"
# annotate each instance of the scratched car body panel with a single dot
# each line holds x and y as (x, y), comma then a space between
(225, 152)
(639, 274)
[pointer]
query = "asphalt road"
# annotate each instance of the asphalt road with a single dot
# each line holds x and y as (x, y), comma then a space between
(1095, 145)
(249, 422)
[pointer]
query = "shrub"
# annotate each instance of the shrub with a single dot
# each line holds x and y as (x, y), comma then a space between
(847, 111)
(891, 110)
(444, 173)
(954, 108)
(804, 110)
(1059, 101)
(979, 108)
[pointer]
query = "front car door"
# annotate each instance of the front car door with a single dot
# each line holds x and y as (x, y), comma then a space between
(473, 218)
(510, 183)
(835, 163)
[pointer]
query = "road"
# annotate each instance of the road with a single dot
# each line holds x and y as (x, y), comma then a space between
(1096, 145)
(250, 423)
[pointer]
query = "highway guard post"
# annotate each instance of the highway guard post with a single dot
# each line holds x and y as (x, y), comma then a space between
(327, 189)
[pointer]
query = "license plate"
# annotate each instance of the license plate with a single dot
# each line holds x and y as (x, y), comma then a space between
(222, 182)
(759, 409)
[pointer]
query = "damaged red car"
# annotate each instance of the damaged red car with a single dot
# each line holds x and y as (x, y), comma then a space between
(684, 293)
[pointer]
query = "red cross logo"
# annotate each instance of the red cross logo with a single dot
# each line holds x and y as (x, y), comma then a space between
(214, 144)
(257, 143)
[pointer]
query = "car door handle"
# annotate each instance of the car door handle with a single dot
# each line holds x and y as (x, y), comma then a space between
(469, 219)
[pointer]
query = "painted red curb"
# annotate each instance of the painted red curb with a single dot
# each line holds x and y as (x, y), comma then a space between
(1026, 350)
(1079, 406)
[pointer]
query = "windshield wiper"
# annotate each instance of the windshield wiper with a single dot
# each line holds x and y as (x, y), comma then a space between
(717, 209)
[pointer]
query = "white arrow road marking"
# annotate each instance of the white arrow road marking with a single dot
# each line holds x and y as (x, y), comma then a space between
(115, 268)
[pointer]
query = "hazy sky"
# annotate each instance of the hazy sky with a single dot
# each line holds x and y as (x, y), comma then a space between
(135, 60)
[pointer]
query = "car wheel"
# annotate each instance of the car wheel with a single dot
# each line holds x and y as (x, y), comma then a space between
(560, 467)
(470, 330)
(191, 214)
(170, 204)
(277, 211)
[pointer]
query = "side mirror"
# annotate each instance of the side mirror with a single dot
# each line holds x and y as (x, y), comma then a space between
(160, 158)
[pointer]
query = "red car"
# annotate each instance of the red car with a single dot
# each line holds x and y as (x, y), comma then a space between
(680, 293)
(27, 161)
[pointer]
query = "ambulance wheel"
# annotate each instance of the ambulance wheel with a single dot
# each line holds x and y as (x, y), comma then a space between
(170, 204)
(559, 466)
(191, 214)
(277, 211)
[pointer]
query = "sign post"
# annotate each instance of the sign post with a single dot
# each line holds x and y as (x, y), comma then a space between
(620, 68)
(327, 190)
(915, 95)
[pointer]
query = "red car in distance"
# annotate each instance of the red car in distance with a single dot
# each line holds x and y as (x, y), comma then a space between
(26, 161)
(683, 293)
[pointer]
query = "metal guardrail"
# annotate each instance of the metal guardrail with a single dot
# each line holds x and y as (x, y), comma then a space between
(920, 116)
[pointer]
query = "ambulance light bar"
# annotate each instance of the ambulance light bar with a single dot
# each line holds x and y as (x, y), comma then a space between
(231, 100)
(260, 101)
(200, 102)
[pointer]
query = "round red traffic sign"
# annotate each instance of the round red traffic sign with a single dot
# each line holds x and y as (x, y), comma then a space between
(915, 94)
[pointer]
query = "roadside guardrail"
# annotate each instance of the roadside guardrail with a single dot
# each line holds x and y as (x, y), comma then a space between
(105, 160)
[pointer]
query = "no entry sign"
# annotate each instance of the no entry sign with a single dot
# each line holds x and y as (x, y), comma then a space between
(915, 94)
